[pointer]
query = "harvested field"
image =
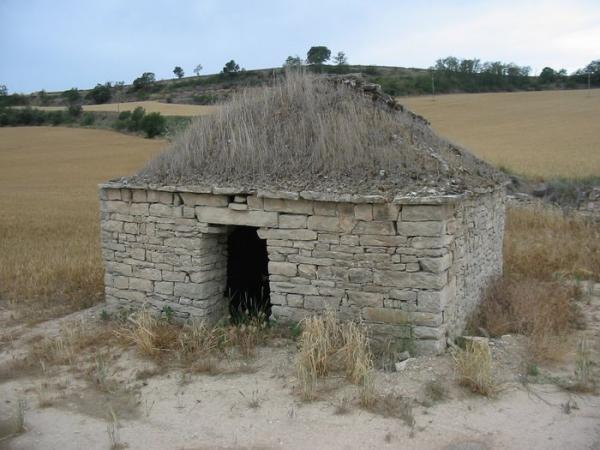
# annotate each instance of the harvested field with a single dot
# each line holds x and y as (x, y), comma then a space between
(49, 232)
(541, 134)
(166, 109)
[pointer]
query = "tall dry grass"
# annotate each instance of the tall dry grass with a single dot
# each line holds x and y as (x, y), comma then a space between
(327, 345)
(546, 244)
(305, 130)
(544, 249)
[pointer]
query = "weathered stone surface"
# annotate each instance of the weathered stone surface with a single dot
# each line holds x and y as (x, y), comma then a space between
(363, 212)
(299, 235)
(382, 241)
(421, 228)
(324, 223)
(386, 315)
(288, 206)
(283, 268)
(226, 216)
(325, 208)
(425, 212)
(385, 228)
(422, 280)
(320, 302)
(436, 265)
(197, 291)
(361, 276)
(292, 221)
(430, 242)
(238, 206)
(140, 284)
(386, 211)
(365, 299)
(191, 199)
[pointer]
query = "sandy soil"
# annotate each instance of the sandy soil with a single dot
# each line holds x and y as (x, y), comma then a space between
(261, 409)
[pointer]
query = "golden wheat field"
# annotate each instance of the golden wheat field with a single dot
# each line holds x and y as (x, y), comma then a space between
(542, 134)
(49, 227)
(166, 109)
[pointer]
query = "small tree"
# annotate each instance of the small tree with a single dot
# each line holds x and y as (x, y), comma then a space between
(340, 59)
(3, 90)
(178, 71)
(198, 69)
(144, 82)
(72, 96)
(153, 124)
(231, 68)
(547, 75)
(100, 94)
(318, 55)
(292, 61)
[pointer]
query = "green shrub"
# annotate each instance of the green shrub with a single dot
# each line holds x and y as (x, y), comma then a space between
(124, 115)
(135, 120)
(153, 124)
(56, 117)
(75, 110)
(100, 93)
(88, 119)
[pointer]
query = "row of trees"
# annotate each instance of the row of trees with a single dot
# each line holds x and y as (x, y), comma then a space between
(316, 55)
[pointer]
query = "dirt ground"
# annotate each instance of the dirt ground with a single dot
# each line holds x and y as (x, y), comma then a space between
(258, 407)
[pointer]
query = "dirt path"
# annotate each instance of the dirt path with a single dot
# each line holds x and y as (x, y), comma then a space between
(261, 409)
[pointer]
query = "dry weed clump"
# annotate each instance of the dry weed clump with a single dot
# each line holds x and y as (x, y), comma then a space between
(327, 345)
(474, 367)
(541, 310)
(546, 244)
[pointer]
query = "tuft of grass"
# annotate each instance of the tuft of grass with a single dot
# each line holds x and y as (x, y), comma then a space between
(474, 367)
(112, 429)
(436, 391)
(327, 345)
(15, 424)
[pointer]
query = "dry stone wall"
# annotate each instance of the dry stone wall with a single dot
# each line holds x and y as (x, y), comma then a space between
(411, 269)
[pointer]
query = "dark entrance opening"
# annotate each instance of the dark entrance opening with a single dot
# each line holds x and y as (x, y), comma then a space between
(247, 275)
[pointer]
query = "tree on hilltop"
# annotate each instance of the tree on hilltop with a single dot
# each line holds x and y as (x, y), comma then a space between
(292, 61)
(144, 81)
(198, 69)
(340, 59)
(178, 71)
(231, 68)
(318, 55)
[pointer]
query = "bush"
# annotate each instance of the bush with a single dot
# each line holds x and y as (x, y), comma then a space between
(56, 117)
(153, 124)
(144, 82)
(135, 120)
(100, 93)
(75, 110)
(88, 119)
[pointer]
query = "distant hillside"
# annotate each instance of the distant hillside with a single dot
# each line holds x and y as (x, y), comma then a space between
(397, 81)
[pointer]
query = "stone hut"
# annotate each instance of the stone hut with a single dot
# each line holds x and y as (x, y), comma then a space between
(408, 256)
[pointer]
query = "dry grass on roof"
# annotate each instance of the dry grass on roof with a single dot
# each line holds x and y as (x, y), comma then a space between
(309, 132)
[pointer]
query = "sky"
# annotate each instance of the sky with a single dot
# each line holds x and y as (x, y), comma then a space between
(59, 44)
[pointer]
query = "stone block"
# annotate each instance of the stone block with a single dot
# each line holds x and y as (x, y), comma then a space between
(163, 287)
(324, 223)
(431, 242)
(425, 228)
(118, 268)
(197, 291)
(140, 284)
(193, 199)
(226, 216)
(113, 194)
(384, 228)
(325, 208)
(293, 235)
(139, 196)
(292, 221)
(359, 298)
(363, 212)
(283, 268)
(382, 241)
(386, 211)
(165, 198)
(321, 302)
(415, 280)
(255, 202)
(308, 271)
(288, 206)
(360, 276)
(386, 315)
(295, 300)
(415, 213)
(148, 273)
(436, 265)
(278, 299)
(238, 206)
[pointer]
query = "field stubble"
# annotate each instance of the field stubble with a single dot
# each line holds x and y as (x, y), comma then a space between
(49, 232)
(545, 134)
